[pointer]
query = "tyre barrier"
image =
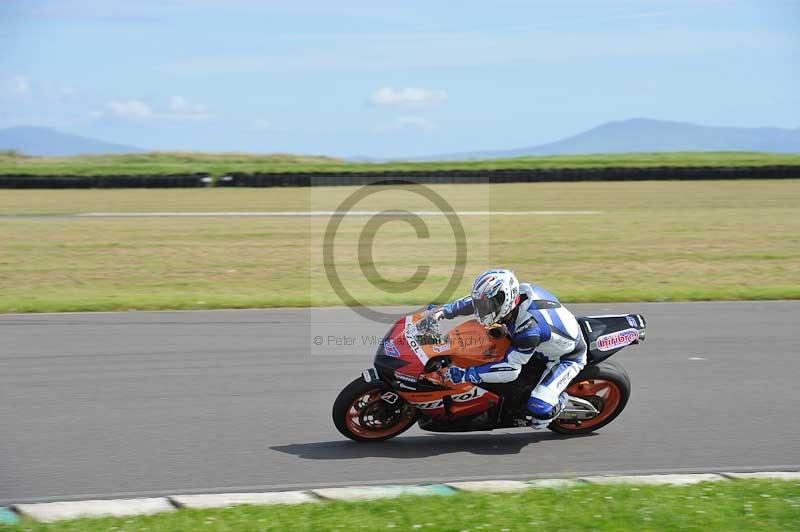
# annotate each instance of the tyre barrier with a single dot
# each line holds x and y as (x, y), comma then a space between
(105, 181)
(539, 175)
(344, 178)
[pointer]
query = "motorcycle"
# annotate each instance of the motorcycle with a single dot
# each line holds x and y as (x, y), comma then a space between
(408, 383)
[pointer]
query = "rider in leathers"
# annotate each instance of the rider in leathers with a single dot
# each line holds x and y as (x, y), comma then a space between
(538, 326)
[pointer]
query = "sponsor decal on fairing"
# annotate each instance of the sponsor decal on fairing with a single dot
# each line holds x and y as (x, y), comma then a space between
(410, 334)
(474, 393)
(441, 347)
(618, 339)
(390, 397)
(391, 349)
(404, 377)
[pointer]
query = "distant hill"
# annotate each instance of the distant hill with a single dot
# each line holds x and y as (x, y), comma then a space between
(45, 141)
(640, 135)
(637, 135)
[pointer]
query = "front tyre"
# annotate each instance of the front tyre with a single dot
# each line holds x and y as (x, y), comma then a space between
(607, 386)
(361, 414)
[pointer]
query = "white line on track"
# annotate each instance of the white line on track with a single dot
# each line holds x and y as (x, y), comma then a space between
(329, 213)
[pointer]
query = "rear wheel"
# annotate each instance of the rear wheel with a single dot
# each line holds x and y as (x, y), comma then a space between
(361, 414)
(605, 385)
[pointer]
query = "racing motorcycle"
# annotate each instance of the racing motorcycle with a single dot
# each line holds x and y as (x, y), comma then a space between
(408, 383)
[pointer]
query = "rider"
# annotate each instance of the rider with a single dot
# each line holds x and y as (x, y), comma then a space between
(538, 326)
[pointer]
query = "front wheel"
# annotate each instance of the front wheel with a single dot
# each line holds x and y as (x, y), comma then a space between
(605, 385)
(361, 414)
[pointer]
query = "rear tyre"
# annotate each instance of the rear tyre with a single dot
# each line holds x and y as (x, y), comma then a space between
(607, 386)
(361, 414)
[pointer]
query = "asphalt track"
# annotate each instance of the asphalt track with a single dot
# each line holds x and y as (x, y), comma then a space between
(138, 403)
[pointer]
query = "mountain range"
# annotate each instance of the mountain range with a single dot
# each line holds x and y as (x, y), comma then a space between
(44, 141)
(642, 135)
(626, 136)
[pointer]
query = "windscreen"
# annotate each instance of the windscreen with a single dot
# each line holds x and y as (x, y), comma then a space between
(428, 331)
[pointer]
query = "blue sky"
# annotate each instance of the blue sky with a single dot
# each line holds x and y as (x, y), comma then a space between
(385, 79)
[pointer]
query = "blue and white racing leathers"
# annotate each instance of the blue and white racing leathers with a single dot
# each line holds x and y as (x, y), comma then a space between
(541, 327)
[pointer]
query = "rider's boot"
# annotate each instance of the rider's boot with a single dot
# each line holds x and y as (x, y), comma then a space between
(539, 424)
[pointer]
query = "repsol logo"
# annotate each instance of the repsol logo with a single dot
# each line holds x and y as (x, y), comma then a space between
(474, 393)
(414, 345)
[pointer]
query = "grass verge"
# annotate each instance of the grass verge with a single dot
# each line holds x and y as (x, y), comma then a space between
(734, 505)
(651, 241)
(158, 163)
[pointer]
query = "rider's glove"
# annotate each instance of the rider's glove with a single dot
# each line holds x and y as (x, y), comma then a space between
(436, 312)
(458, 375)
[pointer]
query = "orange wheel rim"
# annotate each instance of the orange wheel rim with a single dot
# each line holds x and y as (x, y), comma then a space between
(369, 416)
(605, 392)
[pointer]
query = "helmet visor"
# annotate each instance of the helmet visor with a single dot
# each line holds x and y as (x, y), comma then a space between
(488, 309)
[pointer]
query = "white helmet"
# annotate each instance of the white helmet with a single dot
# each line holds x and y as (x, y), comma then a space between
(494, 295)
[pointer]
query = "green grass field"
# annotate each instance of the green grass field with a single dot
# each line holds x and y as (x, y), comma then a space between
(219, 164)
(736, 505)
(655, 241)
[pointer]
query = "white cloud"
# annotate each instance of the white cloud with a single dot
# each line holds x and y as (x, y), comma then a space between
(130, 109)
(55, 91)
(20, 85)
(177, 108)
(36, 91)
(15, 86)
(416, 123)
(180, 107)
(409, 96)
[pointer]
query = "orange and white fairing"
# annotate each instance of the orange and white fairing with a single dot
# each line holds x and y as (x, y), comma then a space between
(468, 344)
